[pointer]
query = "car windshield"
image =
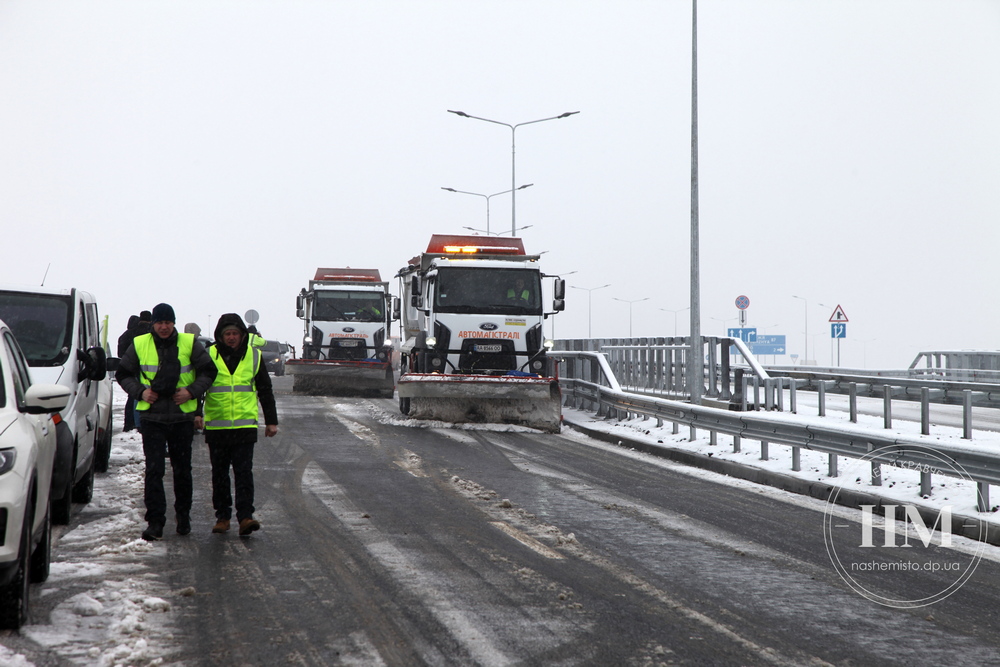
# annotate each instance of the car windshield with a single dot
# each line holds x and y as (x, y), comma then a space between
(488, 291)
(41, 323)
(337, 306)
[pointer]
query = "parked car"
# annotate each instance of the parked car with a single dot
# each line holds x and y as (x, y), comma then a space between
(58, 331)
(27, 453)
(274, 356)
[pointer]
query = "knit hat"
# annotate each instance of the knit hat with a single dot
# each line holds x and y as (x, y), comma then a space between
(163, 312)
(145, 316)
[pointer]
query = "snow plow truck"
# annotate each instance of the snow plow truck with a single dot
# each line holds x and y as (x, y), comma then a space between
(346, 347)
(473, 349)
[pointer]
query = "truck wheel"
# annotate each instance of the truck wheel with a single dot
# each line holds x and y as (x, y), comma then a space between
(404, 405)
(14, 596)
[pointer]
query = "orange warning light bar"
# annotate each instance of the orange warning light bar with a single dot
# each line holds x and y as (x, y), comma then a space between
(474, 245)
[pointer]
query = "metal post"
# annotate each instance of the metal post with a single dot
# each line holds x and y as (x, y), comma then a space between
(967, 414)
(887, 406)
(925, 411)
(853, 395)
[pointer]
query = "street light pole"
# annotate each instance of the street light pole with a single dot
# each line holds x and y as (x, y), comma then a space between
(590, 291)
(513, 174)
(630, 310)
(680, 310)
(804, 301)
(487, 197)
(696, 358)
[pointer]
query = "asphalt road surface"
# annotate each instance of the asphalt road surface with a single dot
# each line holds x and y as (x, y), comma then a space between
(391, 542)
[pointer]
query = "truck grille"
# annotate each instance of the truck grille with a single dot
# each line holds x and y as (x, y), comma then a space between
(480, 355)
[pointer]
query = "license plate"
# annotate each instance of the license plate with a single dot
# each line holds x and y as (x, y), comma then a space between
(487, 348)
(349, 343)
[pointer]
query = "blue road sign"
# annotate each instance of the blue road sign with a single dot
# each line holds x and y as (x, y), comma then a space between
(771, 345)
(747, 334)
(838, 330)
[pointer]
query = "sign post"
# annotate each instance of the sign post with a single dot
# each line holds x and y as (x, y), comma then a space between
(838, 327)
(742, 303)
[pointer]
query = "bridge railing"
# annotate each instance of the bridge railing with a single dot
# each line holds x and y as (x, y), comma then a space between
(589, 383)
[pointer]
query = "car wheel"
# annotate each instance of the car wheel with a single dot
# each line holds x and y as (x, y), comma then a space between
(63, 507)
(102, 454)
(41, 557)
(14, 596)
(83, 492)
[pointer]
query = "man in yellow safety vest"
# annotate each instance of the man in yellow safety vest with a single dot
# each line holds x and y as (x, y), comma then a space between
(166, 372)
(231, 419)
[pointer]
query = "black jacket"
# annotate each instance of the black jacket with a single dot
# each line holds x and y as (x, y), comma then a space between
(164, 410)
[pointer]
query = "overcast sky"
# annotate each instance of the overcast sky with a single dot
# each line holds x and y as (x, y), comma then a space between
(213, 154)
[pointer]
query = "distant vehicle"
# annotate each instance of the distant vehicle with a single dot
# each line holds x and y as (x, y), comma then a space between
(346, 345)
(27, 453)
(274, 356)
(58, 331)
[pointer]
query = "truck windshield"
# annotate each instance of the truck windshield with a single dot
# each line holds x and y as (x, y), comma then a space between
(488, 291)
(42, 324)
(337, 306)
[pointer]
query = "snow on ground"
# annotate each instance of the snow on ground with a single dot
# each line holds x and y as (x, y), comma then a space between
(899, 483)
(111, 609)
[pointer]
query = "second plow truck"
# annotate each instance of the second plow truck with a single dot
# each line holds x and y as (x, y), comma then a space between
(346, 349)
(473, 350)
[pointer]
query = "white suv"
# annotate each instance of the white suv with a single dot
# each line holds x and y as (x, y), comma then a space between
(27, 452)
(58, 331)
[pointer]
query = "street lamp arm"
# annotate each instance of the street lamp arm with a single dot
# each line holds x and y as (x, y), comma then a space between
(488, 120)
(562, 115)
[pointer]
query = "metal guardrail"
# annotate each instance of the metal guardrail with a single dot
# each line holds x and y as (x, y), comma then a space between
(658, 366)
(589, 382)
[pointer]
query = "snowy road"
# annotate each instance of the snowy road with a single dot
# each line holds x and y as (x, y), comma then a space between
(391, 543)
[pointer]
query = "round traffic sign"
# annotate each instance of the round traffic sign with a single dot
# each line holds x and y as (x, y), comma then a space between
(252, 316)
(742, 302)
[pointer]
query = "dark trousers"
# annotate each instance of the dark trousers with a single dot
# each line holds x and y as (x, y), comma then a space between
(239, 455)
(129, 414)
(157, 440)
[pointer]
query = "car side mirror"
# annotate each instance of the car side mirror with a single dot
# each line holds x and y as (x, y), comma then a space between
(559, 289)
(558, 305)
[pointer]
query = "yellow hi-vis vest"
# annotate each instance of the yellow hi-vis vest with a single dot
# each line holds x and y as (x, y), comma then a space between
(149, 364)
(232, 400)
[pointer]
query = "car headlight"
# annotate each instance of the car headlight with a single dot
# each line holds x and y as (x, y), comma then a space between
(7, 458)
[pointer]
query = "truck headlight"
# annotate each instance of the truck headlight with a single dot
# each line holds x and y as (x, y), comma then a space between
(432, 341)
(307, 340)
(549, 344)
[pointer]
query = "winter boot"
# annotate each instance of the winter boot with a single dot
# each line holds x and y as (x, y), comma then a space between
(153, 532)
(248, 525)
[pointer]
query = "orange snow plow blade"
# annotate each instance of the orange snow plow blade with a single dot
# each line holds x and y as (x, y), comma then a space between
(319, 377)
